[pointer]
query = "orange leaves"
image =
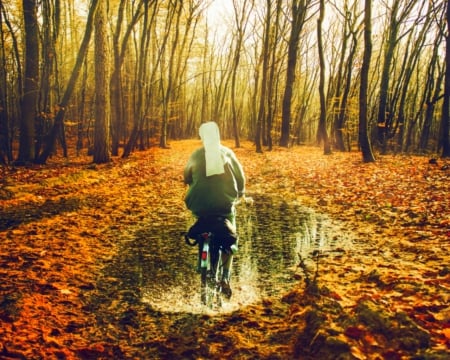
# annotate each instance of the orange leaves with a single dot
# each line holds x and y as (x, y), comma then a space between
(59, 232)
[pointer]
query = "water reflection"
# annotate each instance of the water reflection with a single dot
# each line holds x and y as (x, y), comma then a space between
(273, 234)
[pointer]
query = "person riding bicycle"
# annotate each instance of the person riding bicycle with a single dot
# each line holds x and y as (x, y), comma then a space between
(216, 180)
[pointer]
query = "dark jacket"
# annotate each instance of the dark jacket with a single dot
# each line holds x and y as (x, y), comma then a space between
(216, 194)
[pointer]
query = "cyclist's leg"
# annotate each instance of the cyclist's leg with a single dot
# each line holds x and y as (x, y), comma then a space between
(227, 260)
(227, 256)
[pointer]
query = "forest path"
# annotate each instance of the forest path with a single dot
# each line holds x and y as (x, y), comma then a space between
(68, 293)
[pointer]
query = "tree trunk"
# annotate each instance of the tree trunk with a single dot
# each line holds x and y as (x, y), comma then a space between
(322, 133)
(170, 80)
(399, 11)
(59, 119)
(342, 95)
(432, 91)
(265, 61)
(241, 24)
(81, 120)
(5, 146)
(102, 103)
(272, 81)
(364, 141)
(141, 74)
(299, 9)
(384, 88)
(116, 86)
(119, 48)
(30, 93)
(9, 106)
(338, 106)
(409, 67)
(445, 124)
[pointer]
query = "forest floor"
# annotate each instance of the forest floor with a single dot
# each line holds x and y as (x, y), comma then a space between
(388, 298)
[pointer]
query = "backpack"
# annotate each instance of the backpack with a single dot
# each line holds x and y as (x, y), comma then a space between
(222, 229)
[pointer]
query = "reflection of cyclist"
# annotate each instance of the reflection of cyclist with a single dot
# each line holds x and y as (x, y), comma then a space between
(216, 180)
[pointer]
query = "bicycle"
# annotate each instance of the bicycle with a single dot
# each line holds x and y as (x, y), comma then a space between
(212, 235)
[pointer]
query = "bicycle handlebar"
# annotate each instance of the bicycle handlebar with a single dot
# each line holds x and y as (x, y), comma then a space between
(247, 200)
(189, 241)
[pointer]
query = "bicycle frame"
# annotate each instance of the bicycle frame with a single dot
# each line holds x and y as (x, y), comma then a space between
(210, 271)
(210, 268)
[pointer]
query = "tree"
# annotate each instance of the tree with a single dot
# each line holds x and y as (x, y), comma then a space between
(5, 144)
(364, 141)
(241, 20)
(299, 12)
(48, 79)
(322, 134)
(415, 47)
(173, 68)
(399, 12)
(431, 94)
(59, 119)
(168, 81)
(428, 94)
(102, 103)
(274, 72)
(31, 83)
(167, 77)
(265, 65)
(119, 51)
(342, 82)
(445, 122)
(141, 75)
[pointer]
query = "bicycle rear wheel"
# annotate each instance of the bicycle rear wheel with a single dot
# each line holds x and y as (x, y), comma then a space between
(211, 291)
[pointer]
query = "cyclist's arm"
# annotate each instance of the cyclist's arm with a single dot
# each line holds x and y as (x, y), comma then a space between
(188, 173)
(239, 175)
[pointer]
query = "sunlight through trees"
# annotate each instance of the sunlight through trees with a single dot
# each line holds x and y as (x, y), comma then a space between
(257, 67)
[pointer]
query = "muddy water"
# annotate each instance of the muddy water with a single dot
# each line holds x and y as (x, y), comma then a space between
(159, 268)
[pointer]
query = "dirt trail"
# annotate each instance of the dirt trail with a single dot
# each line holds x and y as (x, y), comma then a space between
(388, 298)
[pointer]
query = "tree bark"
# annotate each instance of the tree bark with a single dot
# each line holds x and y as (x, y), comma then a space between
(322, 133)
(30, 93)
(59, 119)
(364, 141)
(265, 61)
(241, 25)
(102, 104)
(445, 125)
(118, 120)
(299, 10)
(397, 15)
(5, 144)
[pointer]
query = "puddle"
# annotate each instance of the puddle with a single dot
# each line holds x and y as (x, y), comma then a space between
(273, 237)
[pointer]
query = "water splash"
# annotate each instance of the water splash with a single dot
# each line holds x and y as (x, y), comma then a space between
(273, 237)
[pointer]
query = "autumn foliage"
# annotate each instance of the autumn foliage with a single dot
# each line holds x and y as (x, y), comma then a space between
(385, 298)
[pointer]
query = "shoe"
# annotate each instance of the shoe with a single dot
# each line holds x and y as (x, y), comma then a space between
(226, 289)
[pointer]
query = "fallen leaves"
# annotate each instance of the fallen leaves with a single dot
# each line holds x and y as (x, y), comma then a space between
(57, 231)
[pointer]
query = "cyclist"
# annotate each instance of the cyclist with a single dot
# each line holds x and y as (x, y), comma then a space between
(216, 180)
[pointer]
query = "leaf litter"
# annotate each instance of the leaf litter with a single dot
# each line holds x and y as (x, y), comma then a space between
(387, 298)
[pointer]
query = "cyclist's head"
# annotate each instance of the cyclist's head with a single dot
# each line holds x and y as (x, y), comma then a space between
(209, 133)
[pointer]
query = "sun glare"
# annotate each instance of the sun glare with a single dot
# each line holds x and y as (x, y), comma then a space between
(219, 16)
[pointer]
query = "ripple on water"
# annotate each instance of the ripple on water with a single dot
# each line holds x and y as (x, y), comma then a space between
(274, 236)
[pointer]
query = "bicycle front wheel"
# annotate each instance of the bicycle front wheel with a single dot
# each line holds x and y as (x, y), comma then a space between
(210, 284)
